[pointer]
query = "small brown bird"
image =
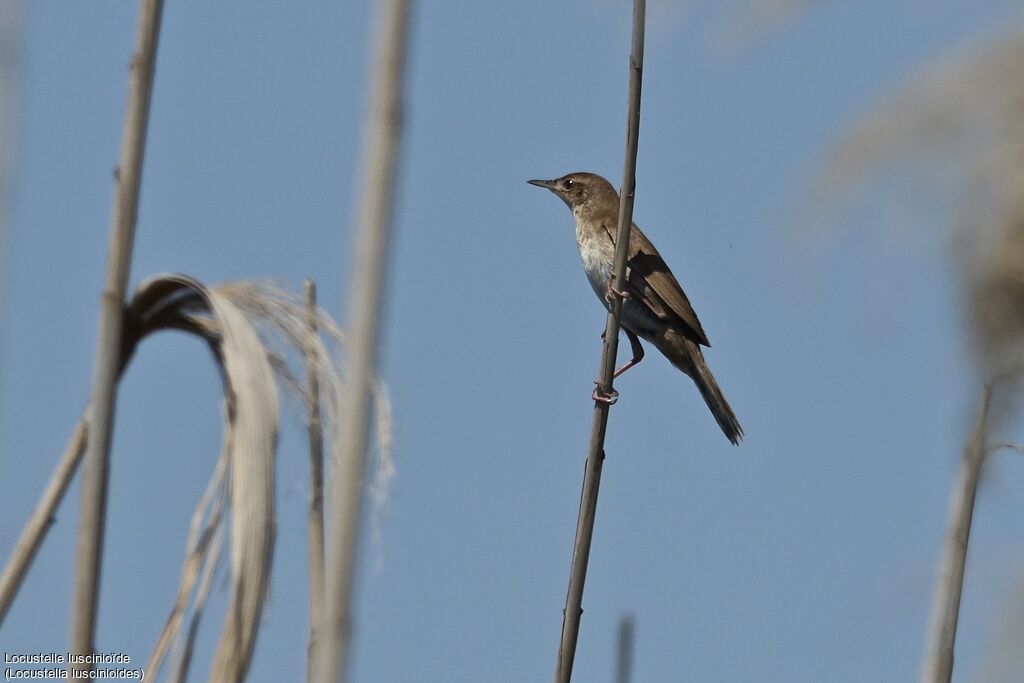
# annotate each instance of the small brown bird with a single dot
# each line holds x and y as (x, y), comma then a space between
(654, 306)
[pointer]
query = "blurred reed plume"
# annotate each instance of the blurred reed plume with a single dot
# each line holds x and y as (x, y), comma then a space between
(991, 242)
(959, 126)
(743, 26)
(956, 131)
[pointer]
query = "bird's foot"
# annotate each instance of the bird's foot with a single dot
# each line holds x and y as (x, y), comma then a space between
(610, 291)
(604, 397)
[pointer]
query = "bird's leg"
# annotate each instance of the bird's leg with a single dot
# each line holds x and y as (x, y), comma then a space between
(610, 291)
(638, 353)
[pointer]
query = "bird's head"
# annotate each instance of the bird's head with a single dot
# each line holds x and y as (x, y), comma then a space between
(586, 194)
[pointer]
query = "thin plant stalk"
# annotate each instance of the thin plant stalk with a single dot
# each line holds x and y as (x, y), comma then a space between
(595, 453)
(316, 488)
(938, 662)
(375, 210)
(11, 32)
(624, 651)
(111, 324)
(42, 518)
(209, 568)
(197, 554)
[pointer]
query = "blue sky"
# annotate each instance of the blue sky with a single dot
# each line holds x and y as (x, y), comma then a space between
(806, 554)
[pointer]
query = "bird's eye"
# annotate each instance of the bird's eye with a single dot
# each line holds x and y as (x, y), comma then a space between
(568, 184)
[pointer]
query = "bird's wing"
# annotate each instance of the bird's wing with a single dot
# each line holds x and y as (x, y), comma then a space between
(649, 279)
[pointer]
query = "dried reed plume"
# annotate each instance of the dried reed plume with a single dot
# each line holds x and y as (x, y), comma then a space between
(257, 332)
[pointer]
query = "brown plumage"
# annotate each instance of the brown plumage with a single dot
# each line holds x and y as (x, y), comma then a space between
(655, 308)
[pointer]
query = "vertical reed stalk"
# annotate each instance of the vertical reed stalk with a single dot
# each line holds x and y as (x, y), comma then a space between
(316, 488)
(111, 323)
(11, 14)
(595, 454)
(938, 662)
(374, 218)
(624, 651)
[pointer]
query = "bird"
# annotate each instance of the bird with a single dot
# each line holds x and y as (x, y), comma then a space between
(654, 306)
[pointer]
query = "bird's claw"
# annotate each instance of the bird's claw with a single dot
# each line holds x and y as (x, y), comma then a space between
(610, 291)
(599, 395)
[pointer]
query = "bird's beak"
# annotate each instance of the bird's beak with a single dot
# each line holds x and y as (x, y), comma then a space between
(546, 184)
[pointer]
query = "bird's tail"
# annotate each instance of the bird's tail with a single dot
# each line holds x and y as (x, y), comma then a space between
(686, 355)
